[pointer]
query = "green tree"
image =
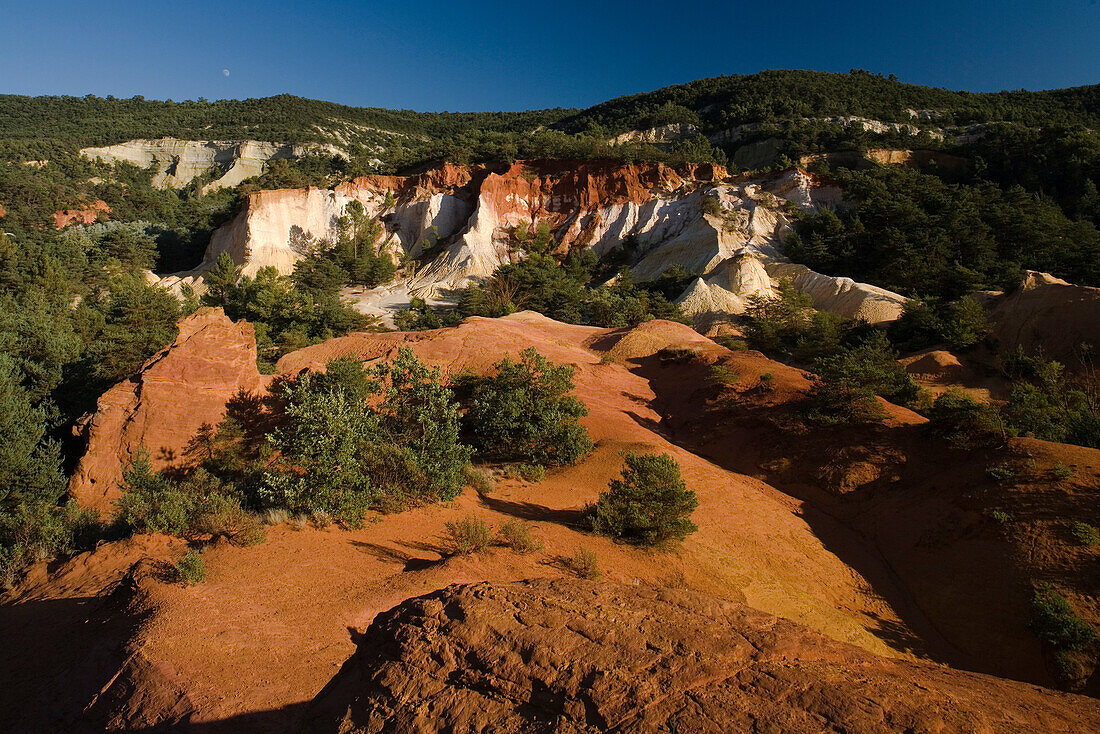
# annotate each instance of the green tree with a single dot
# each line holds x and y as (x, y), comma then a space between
(966, 423)
(358, 438)
(219, 280)
(322, 448)
(649, 504)
(774, 324)
(525, 413)
(419, 427)
(847, 382)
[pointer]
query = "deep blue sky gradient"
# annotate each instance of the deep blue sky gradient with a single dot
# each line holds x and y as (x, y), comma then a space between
(464, 56)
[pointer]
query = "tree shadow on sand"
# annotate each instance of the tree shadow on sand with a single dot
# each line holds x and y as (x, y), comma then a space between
(533, 512)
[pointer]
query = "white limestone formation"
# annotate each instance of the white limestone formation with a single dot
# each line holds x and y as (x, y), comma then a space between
(178, 162)
(735, 248)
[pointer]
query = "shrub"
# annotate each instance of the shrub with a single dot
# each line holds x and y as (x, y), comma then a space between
(36, 530)
(150, 502)
(767, 382)
(469, 535)
(677, 355)
(517, 536)
(524, 413)
(1044, 404)
(650, 504)
(732, 343)
(527, 472)
(480, 478)
(1060, 472)
(358, 438)
(959, 324)
(1000, 517)
(322, 447)
(1000, 472)
(1054, 622)
(1085, 534)
(190, 569)
(774, 325)
(584, 564)
(964, 422)
(847, 382)
(711, 205)
(722, 375)
(222, 517)
(274, 516)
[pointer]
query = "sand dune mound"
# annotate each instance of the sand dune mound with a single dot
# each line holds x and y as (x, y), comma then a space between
(651, 337)
(1048, 313)
(935, 363)
(576, 656)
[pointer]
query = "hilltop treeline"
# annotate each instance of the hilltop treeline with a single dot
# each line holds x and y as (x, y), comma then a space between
(770, 96)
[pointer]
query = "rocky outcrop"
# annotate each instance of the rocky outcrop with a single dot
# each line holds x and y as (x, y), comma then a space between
(161, 408)
(577, 656)
(919, 158)
(670, 133)
(177, 162)
(277, 227)
(82, 215)
(469, 216)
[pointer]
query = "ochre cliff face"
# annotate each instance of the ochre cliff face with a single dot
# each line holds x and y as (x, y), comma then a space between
(83, 215)
(161, 408)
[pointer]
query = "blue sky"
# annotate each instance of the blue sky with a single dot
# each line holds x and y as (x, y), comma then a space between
(463, 56)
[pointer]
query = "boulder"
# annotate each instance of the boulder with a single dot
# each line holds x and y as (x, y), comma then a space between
(581, 656)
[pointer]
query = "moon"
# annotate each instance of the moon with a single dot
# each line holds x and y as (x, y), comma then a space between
(225, 72)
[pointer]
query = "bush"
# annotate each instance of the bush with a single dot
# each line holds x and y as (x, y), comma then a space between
(1085, 534)
(732, 343)
(724, 376)
(767, 382)
(650, 504)
(774, 325)
(959, 325)
(355, 439)
(1044, 404)
(527, 472)
(517, 536)
(197, 503)
(480, 479)
(560, 290)
(469, 535)
(524, 413)
(150, 502)
(584, 564)
(847, 382)
(36, 530)
(677, 355)
(223, 517)
(190, 569)
(1054, 622)
(1060, 472)
(1000, 472)
(274, 516)
(1000, 517)
(964, 422)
